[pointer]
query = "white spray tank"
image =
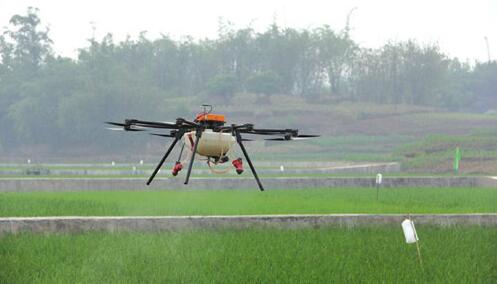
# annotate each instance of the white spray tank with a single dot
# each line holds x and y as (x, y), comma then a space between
(211, 144)
(409, 231)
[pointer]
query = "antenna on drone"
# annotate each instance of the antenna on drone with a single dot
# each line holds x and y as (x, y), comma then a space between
(488, 48)
(205, 107)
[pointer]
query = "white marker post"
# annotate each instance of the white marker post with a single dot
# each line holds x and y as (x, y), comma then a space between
(411, 235)
(282, 169)
(379, 178)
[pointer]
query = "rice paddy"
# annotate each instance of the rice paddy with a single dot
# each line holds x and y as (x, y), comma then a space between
(330, 254)
(249, 202)
(327, 255)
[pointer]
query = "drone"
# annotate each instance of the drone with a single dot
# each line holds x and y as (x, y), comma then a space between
(208, 137)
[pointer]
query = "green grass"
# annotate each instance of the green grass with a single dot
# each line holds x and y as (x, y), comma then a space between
(326, 255)
(233, 202)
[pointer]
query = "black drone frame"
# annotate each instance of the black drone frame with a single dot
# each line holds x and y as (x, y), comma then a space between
(182, 126)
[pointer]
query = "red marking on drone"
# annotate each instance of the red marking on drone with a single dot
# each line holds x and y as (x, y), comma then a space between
(191, 140)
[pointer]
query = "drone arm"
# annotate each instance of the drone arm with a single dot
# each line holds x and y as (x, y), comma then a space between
(288, 134)
(239, 140)
(186, 122)
(198, 133)
(178, 136)
(153, 124)
(140, 125)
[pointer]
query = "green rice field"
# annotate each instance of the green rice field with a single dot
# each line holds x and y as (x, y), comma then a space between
(326, 255)
(367, 254)
(241, 202)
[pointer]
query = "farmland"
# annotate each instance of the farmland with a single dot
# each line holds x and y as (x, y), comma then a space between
(249, 202)
(366, 254)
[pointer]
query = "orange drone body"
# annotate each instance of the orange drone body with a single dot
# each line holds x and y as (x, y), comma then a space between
(210, 117)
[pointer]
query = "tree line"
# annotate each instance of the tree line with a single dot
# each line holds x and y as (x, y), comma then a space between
(44, 95)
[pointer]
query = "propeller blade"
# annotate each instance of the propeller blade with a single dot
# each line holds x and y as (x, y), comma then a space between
(162, 135)
(155, 124)
(115, 123)
(300, 138)
(122, 129)
(291, 139)
(264, 133)
(152, 125)
(292, 132)
(307, 136)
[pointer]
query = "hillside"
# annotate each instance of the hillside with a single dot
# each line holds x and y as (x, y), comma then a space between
(350, 131)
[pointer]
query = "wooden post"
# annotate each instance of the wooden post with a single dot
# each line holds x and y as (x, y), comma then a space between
(417, 240)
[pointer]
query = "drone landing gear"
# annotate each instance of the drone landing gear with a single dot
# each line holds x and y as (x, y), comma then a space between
(198, 134)
(178, 136)
(239, 140)
(178, 165)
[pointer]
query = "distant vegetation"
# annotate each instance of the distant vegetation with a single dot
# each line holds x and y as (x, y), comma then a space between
(50, 103)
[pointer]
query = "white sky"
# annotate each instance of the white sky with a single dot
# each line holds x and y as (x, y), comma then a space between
(459, 27)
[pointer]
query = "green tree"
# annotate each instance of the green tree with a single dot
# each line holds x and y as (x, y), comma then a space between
(25, 48)
(222, 86)
(278, 52)
(401, 73)
(336, 54)
(58, 103)
(264, 84)
(30, 45)
(5, 55)
(484, 86)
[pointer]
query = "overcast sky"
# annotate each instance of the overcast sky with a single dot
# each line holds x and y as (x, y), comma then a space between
(459, 27)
